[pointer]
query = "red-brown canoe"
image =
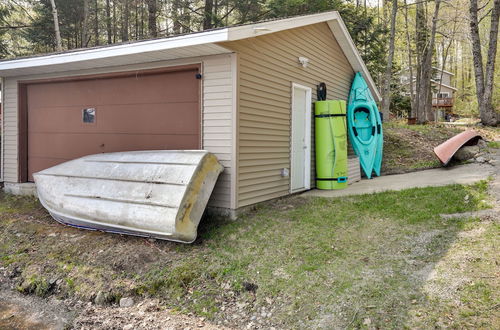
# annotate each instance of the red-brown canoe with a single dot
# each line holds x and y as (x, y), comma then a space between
(447, 149)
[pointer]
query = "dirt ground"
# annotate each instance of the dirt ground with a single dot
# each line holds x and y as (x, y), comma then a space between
(31, 312)
(19, 311)
(46, 307)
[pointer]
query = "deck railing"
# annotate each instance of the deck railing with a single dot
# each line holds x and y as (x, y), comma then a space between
(442, 101)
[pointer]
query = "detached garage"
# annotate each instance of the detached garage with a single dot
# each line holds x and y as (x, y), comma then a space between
(243, 93)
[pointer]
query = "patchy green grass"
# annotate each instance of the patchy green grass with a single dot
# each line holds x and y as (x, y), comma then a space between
(494, 144)
(364, 261)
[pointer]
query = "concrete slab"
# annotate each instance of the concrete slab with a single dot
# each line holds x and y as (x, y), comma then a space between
(463, 174)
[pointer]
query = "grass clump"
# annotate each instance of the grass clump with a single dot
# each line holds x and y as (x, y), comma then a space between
(36, 285)
(494, 144)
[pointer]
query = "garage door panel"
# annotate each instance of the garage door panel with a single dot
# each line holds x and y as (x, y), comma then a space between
(173, 118)
(61, 94)
(160, 88)
(181, 86)
(152, 112)
(70, 146)
(57, 148)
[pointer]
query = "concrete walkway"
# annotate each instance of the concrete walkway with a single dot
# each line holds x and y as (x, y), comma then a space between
(463, 174)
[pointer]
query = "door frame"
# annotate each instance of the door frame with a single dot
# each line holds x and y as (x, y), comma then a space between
(307, 132)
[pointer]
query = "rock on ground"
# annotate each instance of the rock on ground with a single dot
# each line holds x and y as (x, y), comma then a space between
(466, 153)
(126, 302)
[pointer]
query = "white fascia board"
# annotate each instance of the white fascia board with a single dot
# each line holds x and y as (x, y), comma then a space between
(118, 50)
(346, 43)
(263, 28)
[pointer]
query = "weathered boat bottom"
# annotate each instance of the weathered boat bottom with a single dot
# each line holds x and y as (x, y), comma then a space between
(158, 194)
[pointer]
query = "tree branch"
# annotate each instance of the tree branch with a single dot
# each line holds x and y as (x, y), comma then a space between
(14, 27)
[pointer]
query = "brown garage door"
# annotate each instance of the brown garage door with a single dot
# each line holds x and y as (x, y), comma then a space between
(147, 111)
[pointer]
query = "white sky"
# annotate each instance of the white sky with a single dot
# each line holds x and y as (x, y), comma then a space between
(373, 3)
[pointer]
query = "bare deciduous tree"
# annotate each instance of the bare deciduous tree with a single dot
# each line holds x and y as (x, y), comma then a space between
(410, 63)
(485, 80)
(56, 26)
(84, 38)
(425, 68)
(208, 13)
(152, 12)
(109, 31)
(386, 89)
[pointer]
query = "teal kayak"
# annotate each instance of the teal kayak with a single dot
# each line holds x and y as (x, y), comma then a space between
(365, 126)
(377, 166)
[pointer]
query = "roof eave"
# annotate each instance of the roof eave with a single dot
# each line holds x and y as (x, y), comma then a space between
(157, 45)
(444, 85)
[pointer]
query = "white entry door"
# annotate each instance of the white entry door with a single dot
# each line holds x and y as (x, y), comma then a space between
(301, 139)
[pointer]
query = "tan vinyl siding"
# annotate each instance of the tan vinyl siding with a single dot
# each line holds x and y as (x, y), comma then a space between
(217, 115)
(10, 131)
(268, 65)
(217, 122)
(446, 78)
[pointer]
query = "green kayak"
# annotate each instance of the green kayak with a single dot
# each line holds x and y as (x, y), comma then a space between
(365, 126)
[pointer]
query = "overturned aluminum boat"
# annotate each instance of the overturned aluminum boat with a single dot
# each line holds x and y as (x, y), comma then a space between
(159, 194)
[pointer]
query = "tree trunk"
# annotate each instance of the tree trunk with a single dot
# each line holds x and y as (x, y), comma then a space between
(85, 22)
(386, 89)
(208, 15)
(446, 51)
(186, 17)
(424, 87)
(410, 64)
(420, 42)
(56, 26)
(136, 16)
(152, 10)
(115, 26)
(96, 23)
(141, 30)
(109, 30)
(175, 17)
(485, 82)
(125, 20)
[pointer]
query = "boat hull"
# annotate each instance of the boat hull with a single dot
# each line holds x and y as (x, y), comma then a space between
(377, 164)
(365, 130)
(159, 194)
